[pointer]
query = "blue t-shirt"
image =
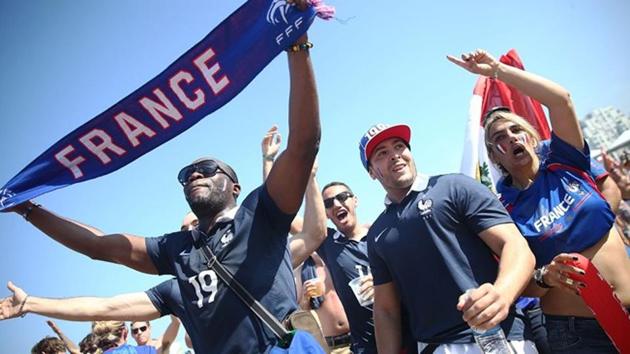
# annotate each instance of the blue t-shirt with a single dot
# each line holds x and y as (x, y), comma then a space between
(131, 349)
(428, 245)
(344, 258)
(562, 210)
(253, 247)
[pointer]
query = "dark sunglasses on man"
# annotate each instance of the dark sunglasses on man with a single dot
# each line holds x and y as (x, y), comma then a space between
(207, 168)
(341, 197)
(138, 330)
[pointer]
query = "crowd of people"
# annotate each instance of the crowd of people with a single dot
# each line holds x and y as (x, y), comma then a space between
(110, 337)
(445, 258)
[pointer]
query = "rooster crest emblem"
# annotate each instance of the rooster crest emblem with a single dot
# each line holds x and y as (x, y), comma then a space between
(278, 12)
(425, 206)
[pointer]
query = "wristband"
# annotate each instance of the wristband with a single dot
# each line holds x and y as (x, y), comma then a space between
(22, 306)
(29, 210)
(300, 47)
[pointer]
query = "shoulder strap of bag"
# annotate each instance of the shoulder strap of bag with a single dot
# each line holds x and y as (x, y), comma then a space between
(257, 308)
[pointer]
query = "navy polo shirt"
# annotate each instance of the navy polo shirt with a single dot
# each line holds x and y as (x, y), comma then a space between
(344, 258)
(167, 299)
(253, 247)
(428, 245)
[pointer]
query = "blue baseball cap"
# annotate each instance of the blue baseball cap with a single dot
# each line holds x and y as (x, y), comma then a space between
(379, 133)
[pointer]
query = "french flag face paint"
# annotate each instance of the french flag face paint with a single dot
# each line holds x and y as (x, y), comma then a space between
(504, 146)
(501, 148)
(523, 138)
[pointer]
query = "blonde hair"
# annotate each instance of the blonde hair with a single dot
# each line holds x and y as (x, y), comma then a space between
(498, 116)
(108, 333)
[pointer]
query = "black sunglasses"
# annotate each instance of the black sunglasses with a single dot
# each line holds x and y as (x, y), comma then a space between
(138, 330)
(341, 197)
(207, 168)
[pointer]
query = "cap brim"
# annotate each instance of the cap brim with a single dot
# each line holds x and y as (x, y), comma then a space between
(401, 131)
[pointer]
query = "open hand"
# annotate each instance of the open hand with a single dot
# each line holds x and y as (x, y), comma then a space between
(270, 144)
(11, 306)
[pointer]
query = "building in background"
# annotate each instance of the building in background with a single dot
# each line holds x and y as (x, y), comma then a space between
(602, 128)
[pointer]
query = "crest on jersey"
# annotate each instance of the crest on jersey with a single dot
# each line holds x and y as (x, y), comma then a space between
(226, 238)
(424, 205)
(574, 187)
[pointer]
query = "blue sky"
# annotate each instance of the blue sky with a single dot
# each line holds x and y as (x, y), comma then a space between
(63, 62)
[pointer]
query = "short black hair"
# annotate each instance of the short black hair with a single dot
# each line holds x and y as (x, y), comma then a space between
(337, 183)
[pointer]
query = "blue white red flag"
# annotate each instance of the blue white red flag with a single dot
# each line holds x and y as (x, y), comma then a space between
(487, 94)
(202, 80)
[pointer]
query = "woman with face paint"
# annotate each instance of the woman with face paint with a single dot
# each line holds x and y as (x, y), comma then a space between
(556, 204)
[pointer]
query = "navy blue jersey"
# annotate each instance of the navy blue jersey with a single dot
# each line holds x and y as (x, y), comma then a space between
(167, 299)
(562, 210)
(597, 170)
(344, 258)
(253, 247)
(428, 245)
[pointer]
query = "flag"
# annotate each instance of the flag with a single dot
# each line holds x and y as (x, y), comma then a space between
(487, 94)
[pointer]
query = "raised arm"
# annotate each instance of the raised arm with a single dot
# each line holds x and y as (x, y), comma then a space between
(269, 146)
(127, 307)
(169, 335)
(288, 177)
(125, 249)
(70, 345)
(555, 97)
(314, 230)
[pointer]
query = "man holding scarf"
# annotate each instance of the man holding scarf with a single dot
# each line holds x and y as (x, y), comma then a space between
(250, 239)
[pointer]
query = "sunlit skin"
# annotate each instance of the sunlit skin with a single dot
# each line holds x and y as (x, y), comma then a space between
(522, 163)
(392, 164)
(515, 150)
(343, 214)
(518, 158)
(190, 222)
(209, 196)
(142, 338)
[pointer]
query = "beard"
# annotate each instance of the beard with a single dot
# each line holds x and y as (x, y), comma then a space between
(208, 203)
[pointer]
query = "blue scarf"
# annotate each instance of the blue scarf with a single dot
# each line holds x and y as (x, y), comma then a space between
(201, 81)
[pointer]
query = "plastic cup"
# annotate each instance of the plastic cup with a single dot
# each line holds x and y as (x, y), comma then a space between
(355, 285)
(319, 287)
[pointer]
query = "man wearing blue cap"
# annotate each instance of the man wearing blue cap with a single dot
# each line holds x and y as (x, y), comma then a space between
(437, 238)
